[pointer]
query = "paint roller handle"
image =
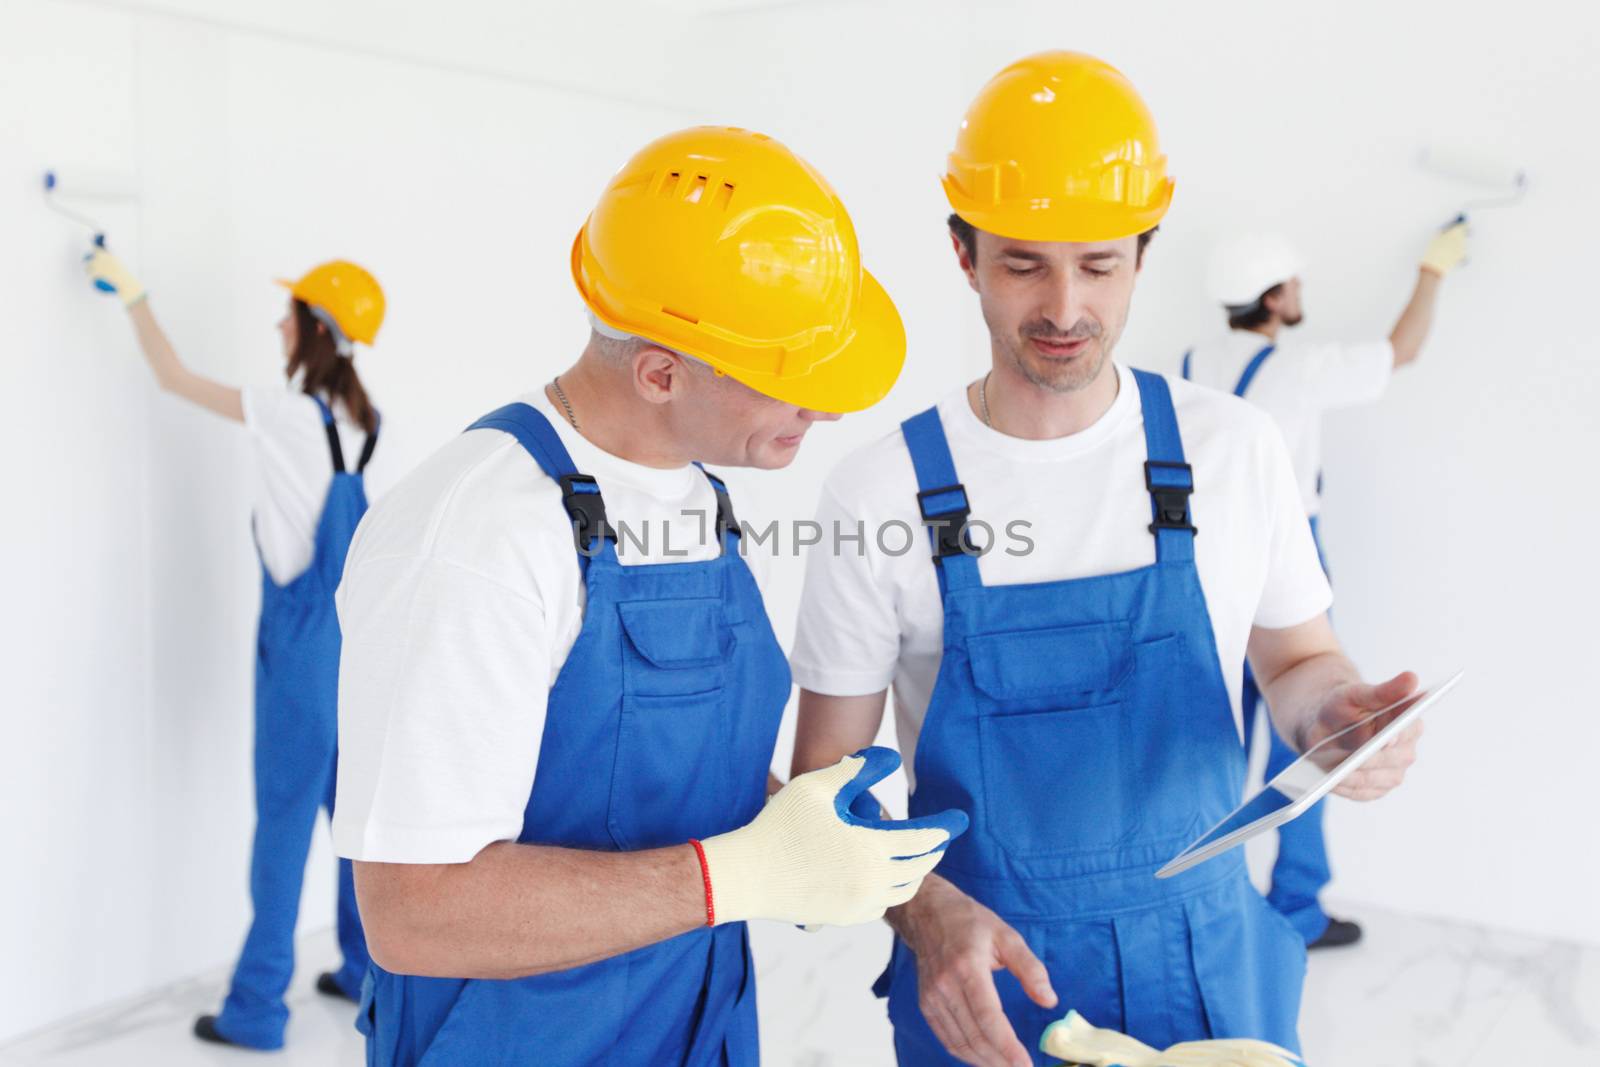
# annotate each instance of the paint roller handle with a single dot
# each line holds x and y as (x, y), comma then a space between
(110, 275)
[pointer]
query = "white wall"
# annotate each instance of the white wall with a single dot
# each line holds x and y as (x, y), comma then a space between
(75, 641)
(457, 154)
(128, 618)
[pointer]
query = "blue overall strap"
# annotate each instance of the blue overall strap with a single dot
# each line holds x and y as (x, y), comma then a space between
(334, 448)
(1188, 359)
(1250, 369)
(580, 493)
(942, 500)
(1168, 478)
(728, 530)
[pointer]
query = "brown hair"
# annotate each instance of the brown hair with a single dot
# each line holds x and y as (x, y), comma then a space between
(967, 234)
(1254, 314)
(326, 371)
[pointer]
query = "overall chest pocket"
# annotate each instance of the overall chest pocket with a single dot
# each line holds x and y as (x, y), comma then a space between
(1064, 666)
(675, 647)
(671, 779)
(1053, 734)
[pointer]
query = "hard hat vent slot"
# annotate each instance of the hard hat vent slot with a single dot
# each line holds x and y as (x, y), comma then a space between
(680, 315)
(697, 189)
(724, 196)
(669, 184)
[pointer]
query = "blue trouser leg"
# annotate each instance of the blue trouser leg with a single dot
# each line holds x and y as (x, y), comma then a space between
(352, 941)
(290, 787)
(1301, 870)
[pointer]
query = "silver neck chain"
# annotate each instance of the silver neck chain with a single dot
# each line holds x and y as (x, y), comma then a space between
(983, 399)
(566, 406)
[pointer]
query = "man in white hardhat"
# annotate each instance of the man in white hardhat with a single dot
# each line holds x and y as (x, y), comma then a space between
(1256, 278)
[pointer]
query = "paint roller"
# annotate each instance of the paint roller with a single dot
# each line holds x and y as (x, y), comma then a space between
(1506, 183)
(86, 187)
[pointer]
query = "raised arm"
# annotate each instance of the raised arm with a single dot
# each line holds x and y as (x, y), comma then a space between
(1445, 252)
(111, 275)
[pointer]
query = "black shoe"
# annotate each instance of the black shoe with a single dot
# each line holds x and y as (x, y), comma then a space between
(1340, 932)
(205, 1028)
(328, 985)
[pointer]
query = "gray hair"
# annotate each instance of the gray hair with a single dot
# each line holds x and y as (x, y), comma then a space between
(619, 346)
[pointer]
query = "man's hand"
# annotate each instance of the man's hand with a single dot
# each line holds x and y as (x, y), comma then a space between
(1448, 248)
(808, 858)
(959, 944)
(1347, 704)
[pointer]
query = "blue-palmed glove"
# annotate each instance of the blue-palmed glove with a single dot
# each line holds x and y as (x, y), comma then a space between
(809, 858)
(110, 275)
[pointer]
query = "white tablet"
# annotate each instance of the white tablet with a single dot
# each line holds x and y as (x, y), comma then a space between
(1308, 779)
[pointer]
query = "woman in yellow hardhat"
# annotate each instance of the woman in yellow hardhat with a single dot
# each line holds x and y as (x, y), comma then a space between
(305, 513)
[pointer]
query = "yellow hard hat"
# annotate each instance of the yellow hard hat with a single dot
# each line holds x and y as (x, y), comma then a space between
(346, 293)
(1059, 147)
(726, 246)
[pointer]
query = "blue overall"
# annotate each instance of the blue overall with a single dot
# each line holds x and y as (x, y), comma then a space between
(660, 728)
(1085, 726)
(1301, 870)
(297, 689)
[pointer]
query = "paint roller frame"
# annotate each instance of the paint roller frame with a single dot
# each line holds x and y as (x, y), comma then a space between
(112, 191)
(51, 184)
(1475, 170)
(110, 188)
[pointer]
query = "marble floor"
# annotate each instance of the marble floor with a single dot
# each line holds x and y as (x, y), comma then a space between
(1418, 993)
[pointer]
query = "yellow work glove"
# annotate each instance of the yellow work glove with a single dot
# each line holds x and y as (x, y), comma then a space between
(1074, 1040)
(111, 275)
(808, 859)
(1447, 249)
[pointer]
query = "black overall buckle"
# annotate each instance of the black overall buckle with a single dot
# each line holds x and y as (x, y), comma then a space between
(950, 525)
(1170, 494)
(586, 509)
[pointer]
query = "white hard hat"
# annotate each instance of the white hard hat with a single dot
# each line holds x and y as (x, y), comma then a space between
(1244, 267)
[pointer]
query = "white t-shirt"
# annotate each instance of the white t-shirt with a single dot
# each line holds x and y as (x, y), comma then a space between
(872, 618)
(293, 470)
(1296, 384)
(460, 602)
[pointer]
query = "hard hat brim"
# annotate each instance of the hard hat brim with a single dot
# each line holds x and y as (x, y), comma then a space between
(854, 378)
(1061, 219)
